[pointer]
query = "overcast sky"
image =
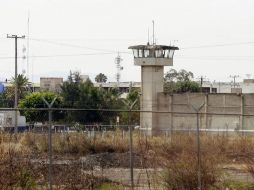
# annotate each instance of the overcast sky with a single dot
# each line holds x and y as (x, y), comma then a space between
(215, 37)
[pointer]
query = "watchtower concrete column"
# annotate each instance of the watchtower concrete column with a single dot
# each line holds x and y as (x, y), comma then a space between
(152, 59)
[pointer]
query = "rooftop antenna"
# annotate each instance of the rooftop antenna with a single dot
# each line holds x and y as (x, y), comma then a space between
(234, 80)
(174, 42)
(153, 33)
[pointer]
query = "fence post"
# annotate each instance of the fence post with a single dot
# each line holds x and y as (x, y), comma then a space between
(49, 141)
(171, 118)
(131, 151)
(199, 156)
(198, 145)
(130, 106)
(242, 114)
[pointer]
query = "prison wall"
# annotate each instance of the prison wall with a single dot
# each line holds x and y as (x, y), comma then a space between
(216, 111)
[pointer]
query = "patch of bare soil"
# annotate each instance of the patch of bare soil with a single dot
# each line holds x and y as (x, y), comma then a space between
(112, 160)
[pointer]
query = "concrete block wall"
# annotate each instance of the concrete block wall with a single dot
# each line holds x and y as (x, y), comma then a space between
(219, 111)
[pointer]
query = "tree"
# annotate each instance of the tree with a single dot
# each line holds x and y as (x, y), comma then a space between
(35, 100)
(133, 96)
(22, 83)
(180, 82)
(171, 75)
(9, 93)
(7, 98)
(70, 93)
(101, 78)
(74, 77)
(182, 75)
(187, 86)
(83, 95)
(3, 100)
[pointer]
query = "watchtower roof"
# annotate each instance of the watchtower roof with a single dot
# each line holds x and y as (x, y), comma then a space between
(154, 47)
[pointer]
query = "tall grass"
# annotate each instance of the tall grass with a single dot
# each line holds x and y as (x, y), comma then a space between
(176, 155)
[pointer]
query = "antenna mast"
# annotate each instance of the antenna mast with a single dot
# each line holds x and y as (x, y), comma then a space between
(24, 58)
(148, 37)
(153, 33)
(27, 49)
(119, 68)
(234, 80)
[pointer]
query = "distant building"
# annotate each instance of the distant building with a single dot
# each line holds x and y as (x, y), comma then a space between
(124, 87)
(246, 86)
(7, 119)
(84, 78)
(31, 87)
(52, 84)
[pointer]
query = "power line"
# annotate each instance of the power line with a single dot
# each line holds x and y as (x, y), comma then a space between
(212, 58)
(218, 45)
(104, 53)
(60, 55)
(89, 39)
(108, 51)
(115, 51)
(74, 45)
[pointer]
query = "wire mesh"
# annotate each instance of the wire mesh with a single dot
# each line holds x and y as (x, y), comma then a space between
(90, 150)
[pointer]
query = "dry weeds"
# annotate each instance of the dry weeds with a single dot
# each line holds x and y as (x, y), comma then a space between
(176, 155)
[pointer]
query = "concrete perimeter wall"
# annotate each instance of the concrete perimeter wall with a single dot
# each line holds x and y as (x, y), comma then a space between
(219, 111)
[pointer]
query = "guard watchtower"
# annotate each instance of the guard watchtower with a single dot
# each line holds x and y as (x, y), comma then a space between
(152, 59)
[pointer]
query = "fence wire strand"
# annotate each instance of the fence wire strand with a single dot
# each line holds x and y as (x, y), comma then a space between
(90, 149)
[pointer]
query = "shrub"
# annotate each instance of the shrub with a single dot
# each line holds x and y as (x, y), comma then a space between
(181, 172)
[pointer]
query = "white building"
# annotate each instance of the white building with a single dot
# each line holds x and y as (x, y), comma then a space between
(245, 87)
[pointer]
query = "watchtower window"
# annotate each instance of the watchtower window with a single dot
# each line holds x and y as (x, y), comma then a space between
(140, 53)
(146, 53)
(169, 53)
(135, 52)
(159, 53)
(155, 51)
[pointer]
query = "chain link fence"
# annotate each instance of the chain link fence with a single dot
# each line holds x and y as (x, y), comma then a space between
(95, 149)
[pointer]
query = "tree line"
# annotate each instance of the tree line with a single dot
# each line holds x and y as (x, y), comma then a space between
(79, 94)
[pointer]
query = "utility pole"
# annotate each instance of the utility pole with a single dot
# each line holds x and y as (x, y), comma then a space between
(202, 79)
(16, 37)
(234, 77)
